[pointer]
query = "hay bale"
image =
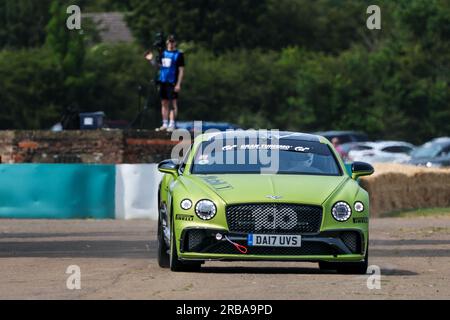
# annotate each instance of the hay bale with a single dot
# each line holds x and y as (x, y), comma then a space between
(395, 187)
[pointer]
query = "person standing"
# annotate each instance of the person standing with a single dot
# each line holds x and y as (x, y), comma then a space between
(171, 75)
(337, 145)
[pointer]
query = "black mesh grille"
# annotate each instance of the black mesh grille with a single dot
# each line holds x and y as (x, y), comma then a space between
(307, 248)
(352, 241)
(274, 218)
(194, 239)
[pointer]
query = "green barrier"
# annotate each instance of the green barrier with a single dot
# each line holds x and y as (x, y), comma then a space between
(57, 191)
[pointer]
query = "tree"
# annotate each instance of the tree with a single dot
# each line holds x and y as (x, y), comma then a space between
(219, 24)
(68, 46)
(23, 23)
(222, 25)
(31, 89)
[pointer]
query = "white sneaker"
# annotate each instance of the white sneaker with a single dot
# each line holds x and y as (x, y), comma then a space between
(170, 128)
(162, 128)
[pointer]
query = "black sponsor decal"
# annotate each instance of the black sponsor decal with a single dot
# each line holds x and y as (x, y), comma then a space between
(217, 183)
(184, 217)
(361, 220)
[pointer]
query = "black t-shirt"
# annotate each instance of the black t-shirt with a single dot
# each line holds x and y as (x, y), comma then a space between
(180, 60)
(180, 63)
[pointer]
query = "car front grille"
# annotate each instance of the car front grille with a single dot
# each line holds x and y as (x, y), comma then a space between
(307, 248)
(274, 218)
(194, 239)
(352, 240)
(204, 241)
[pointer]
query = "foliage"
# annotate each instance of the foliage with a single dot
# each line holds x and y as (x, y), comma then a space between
(23, 23)
(30, 90)
(288, 64)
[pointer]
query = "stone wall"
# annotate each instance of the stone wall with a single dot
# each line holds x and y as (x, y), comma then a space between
(96, 146)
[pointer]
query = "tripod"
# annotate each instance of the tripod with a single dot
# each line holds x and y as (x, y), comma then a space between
(70, 118)
(153, 88)
(145, 111)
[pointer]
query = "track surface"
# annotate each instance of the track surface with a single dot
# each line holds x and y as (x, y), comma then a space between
(118, 261)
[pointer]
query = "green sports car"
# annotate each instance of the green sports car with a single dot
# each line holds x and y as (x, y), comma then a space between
(261, 195)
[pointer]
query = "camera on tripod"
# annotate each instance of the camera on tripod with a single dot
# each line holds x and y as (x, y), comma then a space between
(159, 43)
(159, 46)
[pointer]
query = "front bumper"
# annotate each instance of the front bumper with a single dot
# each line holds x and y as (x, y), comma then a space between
(330, 245)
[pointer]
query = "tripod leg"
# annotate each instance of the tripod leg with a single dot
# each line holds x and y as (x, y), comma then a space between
(152, 95)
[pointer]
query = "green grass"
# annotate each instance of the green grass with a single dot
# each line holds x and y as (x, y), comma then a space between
(429, 212)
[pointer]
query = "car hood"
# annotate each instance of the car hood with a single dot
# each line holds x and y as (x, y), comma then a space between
(239, 188)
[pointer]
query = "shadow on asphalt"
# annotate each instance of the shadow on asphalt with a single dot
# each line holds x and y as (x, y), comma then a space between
(397, 272)
(147, 249)
(264, 270)
(35, 235)
(294, 270)
(404, 252)
(79, 249)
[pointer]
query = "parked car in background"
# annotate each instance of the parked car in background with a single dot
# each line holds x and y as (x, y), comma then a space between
(435, 153)
(207, 125)
(346, 148)
(381, 151)
(344, 136)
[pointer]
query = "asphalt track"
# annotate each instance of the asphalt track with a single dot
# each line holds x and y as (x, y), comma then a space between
(117, 260)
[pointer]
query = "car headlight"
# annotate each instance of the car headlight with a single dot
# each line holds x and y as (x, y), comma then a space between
(341, 211)
(205, 209)
(359, 206)
(433, 165)
(186, 204)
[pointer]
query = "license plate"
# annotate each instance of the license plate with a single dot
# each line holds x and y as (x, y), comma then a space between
(274, 240)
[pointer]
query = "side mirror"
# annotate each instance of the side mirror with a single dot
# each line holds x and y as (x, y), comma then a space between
(169, 166)
(360, 169)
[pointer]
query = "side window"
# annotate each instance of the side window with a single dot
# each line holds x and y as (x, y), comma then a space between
(360, 148)
(360, 137)
(344, 139)
(397, 149)
(445, 152)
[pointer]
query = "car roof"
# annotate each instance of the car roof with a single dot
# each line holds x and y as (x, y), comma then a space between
(231, 134)
(441, 140)
(344, 135)
(339, 133)
(385, 143)
(382, 144)
(441, 143)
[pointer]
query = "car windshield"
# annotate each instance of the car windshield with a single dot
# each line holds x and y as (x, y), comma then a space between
(285, 156)
(427, 151)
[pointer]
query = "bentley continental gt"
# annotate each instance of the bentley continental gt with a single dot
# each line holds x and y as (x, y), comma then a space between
(253, 196)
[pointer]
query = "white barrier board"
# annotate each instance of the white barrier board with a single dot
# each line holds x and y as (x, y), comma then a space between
(137, 191)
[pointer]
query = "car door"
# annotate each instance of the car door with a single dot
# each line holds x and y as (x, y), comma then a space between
(361, 153)
(443, 158)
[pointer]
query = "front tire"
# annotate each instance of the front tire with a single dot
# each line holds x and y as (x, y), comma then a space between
(163, 255)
